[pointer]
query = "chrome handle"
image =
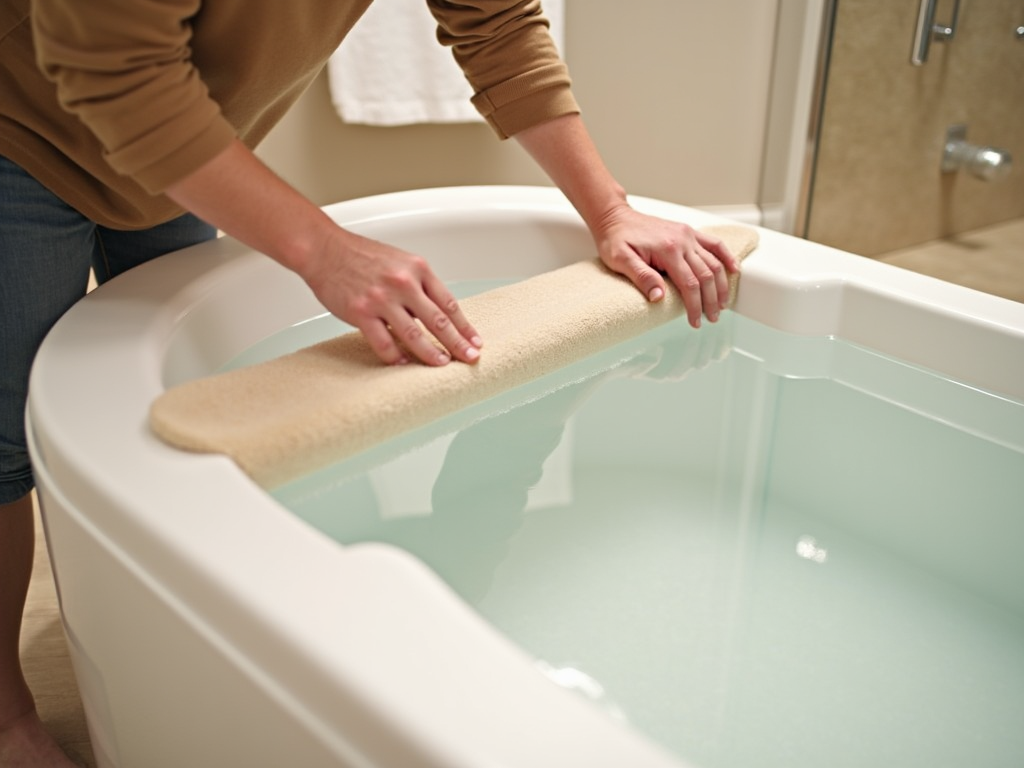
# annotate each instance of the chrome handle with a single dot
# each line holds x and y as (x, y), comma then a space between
(985, 163)
(927, 30)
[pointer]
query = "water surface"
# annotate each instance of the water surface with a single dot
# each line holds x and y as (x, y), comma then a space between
(765, 550)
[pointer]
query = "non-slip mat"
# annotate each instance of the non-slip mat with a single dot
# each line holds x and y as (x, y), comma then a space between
(286, 417)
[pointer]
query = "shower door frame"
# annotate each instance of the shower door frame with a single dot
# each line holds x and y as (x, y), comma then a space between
(803, 39)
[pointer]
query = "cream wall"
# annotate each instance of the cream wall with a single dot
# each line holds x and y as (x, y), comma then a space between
(675, 93)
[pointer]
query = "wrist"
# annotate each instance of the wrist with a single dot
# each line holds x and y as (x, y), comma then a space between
(303, 247)
(606, 207)
(603, 214)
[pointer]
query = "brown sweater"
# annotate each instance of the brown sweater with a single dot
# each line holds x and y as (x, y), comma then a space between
(108, 102)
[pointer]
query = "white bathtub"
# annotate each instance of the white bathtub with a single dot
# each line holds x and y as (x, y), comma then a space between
(209, 627)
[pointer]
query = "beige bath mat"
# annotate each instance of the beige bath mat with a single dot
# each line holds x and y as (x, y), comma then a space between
(284, 418)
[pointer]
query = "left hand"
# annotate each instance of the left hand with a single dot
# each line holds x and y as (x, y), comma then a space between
(645, 248)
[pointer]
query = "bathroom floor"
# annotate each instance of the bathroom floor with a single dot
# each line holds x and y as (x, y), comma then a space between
(990, 260)
(47, 664)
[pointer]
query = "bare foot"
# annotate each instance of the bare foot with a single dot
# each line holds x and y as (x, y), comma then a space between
(24, 743)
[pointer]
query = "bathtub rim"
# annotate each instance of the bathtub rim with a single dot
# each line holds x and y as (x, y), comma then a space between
(142, 319)
(789, 283)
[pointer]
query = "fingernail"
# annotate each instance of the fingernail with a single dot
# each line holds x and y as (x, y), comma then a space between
(476, 341)
(713, 317)
(655, 294)
(472, 353)
(443, 359)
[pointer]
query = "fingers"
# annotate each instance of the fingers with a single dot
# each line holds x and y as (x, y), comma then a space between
(459, 330)
(378, 336)
(702, 281)
(416, 320)
(643, 276)
(393, 297)
(443, 318)
(718, 249)
(697, 264)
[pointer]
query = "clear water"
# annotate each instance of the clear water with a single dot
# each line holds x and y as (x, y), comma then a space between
(765, 550)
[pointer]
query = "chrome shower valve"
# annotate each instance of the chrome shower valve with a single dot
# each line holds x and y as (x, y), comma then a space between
(986, 163)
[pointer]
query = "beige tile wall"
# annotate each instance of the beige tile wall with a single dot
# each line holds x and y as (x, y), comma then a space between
(877, 182)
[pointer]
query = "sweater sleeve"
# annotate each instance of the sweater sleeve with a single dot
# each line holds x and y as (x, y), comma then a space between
(123, 67)
(509, 59)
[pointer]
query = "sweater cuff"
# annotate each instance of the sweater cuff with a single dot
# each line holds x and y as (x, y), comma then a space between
(175, 165)
(527, 100)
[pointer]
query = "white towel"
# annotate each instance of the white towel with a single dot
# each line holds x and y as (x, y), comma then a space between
(392, 71)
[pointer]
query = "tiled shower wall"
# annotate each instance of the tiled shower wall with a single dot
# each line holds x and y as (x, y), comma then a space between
(877, 184)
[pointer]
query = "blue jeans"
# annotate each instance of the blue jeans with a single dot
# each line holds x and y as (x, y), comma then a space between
(46, 251)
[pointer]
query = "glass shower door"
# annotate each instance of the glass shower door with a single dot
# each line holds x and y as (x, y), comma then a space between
(877, 182)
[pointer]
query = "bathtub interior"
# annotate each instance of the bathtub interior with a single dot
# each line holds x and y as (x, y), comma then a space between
(776, 518)
(209, 579)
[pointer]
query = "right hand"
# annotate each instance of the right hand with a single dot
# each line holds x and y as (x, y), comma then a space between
(394, 298)
(383, 291)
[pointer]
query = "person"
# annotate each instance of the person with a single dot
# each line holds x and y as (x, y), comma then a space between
(127, 131)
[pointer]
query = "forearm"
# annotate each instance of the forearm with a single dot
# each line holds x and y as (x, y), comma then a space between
(241, 196)
(564, 150)
(388, 294)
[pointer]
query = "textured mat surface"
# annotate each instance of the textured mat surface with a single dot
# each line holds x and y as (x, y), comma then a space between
(286, 417)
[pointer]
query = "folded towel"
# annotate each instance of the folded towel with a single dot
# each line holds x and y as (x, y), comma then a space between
(287, 417)
(390, 70)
